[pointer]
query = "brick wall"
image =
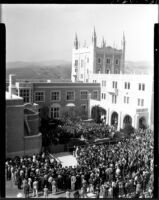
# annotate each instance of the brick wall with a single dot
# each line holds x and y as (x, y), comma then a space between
(14, 127)
(33, 144)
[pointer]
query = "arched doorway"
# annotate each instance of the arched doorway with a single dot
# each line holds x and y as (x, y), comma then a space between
(142, 123)
(98, 114)
(114, 119)
(127, 121)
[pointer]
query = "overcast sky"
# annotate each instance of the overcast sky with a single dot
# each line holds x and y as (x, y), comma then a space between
(47, 32)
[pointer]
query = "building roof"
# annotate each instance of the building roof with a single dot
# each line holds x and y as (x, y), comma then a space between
(13, 96)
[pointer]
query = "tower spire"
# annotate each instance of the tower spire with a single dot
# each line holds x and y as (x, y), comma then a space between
(94, 38)
(103, 42)
(76, 43)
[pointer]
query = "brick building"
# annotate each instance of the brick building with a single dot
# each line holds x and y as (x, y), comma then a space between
(22, 126)
(57, 96)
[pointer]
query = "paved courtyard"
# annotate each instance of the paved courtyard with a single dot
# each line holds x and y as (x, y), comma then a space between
(66, 159)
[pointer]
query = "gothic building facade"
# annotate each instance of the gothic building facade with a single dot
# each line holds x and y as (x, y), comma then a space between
(94, 60)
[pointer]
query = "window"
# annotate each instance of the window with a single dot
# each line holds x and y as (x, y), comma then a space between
(114, 84)
(99, 60)
(25, 93)
(127, 85)
(55, 96)
(104, 83)
(95, 94)
(108, 61)
(87, 60)
(94, 81)
(116, 71)
(114, 99)
(70, 95)
(107, 71)
(84, 95)
(55, 112)
(39, 96)
(142, 102)
(126, 99)
(76, 62)
(81, 75)
(76, 70)
(103, 95)
(116, 61)
(141, 86)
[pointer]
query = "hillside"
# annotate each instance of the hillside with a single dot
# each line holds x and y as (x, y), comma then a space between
(40, 70)
(61, 70)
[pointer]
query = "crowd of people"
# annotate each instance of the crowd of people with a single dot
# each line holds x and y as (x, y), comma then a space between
(61, 134)
(122, 170)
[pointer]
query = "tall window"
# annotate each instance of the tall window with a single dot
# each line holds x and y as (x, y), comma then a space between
(108, 60)
(107, 71)
(99, 60)
(141, 86)
(70, 95)
(114, 99)
(126, 99)
(55, 96)
(117, 62)
(87, 60)
(55, 112)
(95, 94)
(103, 95)
(25, 93)
(114, 84)
(39, 96)
(84, 95)
(127, 85)
(76, 62)
(104, 83)
(140, 102)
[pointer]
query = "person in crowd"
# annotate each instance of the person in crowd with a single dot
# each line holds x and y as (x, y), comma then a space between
(26, 190)
(45, 192)
(123, 169)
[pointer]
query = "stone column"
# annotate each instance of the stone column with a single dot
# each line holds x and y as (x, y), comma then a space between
(109, 117)
(89, 106)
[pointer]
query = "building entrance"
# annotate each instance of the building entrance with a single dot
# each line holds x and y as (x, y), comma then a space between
(142, 123)
(127, 121)
(114, 119)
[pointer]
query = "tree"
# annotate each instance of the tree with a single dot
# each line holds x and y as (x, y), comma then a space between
(73, 113)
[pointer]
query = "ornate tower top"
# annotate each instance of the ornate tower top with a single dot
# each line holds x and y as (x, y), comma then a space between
(94, 37)
(103, 42)
(76, 44)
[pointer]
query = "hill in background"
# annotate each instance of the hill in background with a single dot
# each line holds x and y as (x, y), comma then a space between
(60, 70)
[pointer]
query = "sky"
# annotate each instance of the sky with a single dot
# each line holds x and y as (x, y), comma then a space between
(47, 32)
